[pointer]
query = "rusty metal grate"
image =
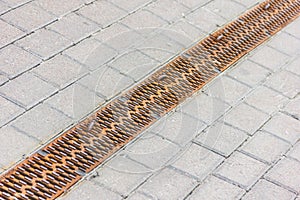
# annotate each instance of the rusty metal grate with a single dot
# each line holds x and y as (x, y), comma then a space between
(52, 170)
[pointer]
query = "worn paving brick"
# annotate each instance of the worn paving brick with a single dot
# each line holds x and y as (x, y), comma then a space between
(139, 196)
(242, 170)
(267, 190)
(27, 90)
(205, 108)
(284, 126)
(107, 34)
(295, 152)
(15, 3)
(45, 43)
(168, 184)
(122, 175)
(262, 144)
(14, 61)
(3, 7)
(293, 28)
(227, 89)
(106, 14)
(214, 188)
(8, 33)
(8, 111)
(248, 3)
(249, 73)
(221, 138)
(294, 66)
(179, 38)
(205, 20)
(198, 161)
(3, 79)
(28, 17)
(286, 173)
(246, 118)
(286, 43)
(270, 58)
(42, 122)
(193, 3)
(60, 71)
(266, 100)
(161, 55)
(90, 191)
(22, 145)
(284, 82)
(293, 107)
(131, 5)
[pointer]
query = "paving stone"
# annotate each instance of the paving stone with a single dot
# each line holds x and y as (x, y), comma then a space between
(179, 38)
(168, 9)
(90, 191)
(266, 100)
(28, 17)
(8, 33)
(205, 108)
(27, 90)
(193, 3)
(139, 196)
(74, 27)
(284, 82)
(284, 126)
(267, 190)
(294, 66)
(22, 145)
(15, 3)
(3, 7)
(293, 28)
(242, 170)
(246, 118)
(8, 111)
(262, 144)
(205, 20)
(168, 184)
(3, 79)
(130, 5)
(249, 73)
(270, 58)
(295, 152)
(221, 7)
(107, 34)
(216, 189)
(198, 161)
(178, 127)
(106, 14)
(227, 89)
(42, 122)
(293, 107)
(122, 175)
(60, 71)
(221, 138)
(286, 173)
(249, 3)
(286, 43)
(45, 43)
(152, 150)
(14, 61)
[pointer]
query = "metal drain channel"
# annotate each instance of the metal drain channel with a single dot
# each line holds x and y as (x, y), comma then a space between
(52, 170)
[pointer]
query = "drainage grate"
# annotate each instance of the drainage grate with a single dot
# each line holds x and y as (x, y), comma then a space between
(52, 170)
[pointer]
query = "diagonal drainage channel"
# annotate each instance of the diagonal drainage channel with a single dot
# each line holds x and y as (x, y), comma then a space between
(56, 167)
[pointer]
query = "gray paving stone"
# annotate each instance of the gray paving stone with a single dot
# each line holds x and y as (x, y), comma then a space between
(221, 7)
(122, 175)
(216, 189)
(221, 138)
(266, 100)
(205, 108)
(60, 71)
(249, 73)
(295, 152)
(249, 3)
(285, 82)
(22, 145)
(193, 3)
(8, 33)
(198, 161)
(3, 7)
(227, 89)
(42, 122)
(267, 190)
(90, 191)
(139, 196)
(177, 37)
(3, 79)
(8, 111)
(246, 118)
(168, 184)
(158, 54)
(262, 144)
(242, 170)
(45, 43)
(14, 61)
(270, 58)
(131, 5)
(286, 43)
(74, 27)
(205, 20)
(107, 34)
(294, 66)
(106, 14)
(293, 28)
(27, 90)
(284, 126)
(293, 107)
(15, 3)
(286, 173)
(28, 17)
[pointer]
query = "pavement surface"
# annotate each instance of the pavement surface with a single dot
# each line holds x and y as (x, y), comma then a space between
(237, 138)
